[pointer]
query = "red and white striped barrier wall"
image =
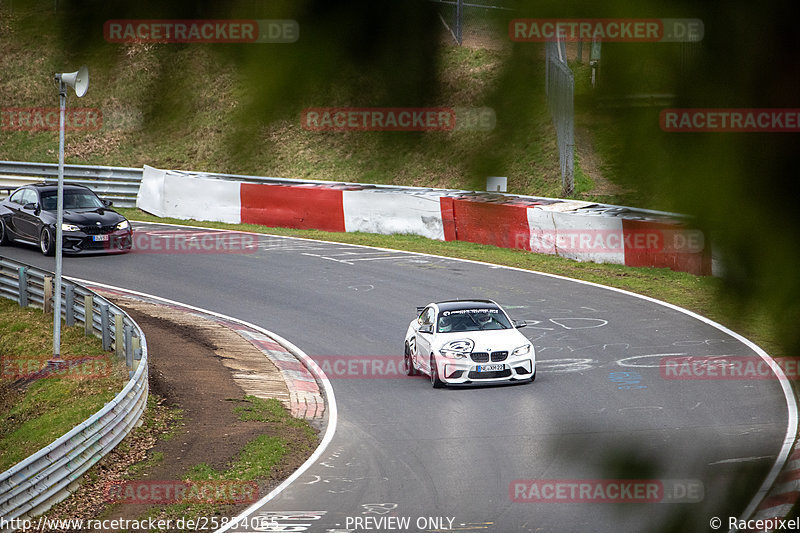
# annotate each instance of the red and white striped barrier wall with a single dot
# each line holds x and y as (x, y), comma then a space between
(576, 230)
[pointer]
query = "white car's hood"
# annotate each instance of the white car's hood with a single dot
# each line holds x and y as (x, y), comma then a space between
(487, 340)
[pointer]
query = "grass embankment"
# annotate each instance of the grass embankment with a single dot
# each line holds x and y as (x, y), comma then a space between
(36, 410)
(700, 294)
(152, 114)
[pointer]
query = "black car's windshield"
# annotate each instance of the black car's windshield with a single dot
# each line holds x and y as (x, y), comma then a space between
(72, 200)
(472, 320)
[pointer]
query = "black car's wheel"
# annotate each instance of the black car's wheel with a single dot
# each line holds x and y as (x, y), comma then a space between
(3, 235)
(435, 381)
(408, 364)
(47, 242)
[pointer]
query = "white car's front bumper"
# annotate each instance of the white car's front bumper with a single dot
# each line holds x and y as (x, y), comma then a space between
(466, 370)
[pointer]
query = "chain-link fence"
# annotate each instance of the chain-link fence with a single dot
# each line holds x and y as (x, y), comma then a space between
(476, 25)
(560, 88)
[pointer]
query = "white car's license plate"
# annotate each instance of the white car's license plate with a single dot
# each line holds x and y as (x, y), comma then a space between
(491, 368)
(100, 237)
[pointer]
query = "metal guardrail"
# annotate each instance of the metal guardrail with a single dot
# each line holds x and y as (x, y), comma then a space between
(43, 479)
(118, 184)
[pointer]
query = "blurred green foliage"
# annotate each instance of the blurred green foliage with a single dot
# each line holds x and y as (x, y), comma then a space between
(741, 187)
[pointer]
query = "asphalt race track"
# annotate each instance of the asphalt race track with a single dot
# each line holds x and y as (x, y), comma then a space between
(445, 459)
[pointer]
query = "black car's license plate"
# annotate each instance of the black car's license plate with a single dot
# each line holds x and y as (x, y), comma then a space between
(490, 368)
(99, 238)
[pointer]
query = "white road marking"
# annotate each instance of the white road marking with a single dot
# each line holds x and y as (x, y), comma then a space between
(741, 460)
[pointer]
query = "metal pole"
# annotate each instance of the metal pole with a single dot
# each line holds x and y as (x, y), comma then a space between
(459, 21)
(62, 94)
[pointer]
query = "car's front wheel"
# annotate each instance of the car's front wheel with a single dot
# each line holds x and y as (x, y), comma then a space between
(435, 381)
(47, 241)
(408, 364)
(3, 235)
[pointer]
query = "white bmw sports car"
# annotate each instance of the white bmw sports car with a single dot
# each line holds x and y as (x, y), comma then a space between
(467, 341)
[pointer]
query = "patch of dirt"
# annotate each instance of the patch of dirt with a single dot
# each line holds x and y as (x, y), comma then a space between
(188, 374)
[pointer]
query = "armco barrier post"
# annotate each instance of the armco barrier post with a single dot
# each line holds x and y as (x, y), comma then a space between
(104, 331)
(119, 341)
(88, 315)
(23, 286)
(47, 294)
(127, 330)
(69, 301)
(136, 348)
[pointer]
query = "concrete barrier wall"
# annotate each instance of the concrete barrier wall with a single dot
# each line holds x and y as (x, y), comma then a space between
(390, 212)
(150, 197)
(178, 195)
(292, 206)
(577, 230)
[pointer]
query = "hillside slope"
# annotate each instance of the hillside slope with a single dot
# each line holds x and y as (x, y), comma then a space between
(184, 106)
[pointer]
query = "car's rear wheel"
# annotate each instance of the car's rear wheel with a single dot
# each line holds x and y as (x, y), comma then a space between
(408, 364)
(435, 381)
(46, 241)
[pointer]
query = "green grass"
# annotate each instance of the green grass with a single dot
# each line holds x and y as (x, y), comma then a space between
(701, 294)
(256, 461)
(34, 413)
(270, 411)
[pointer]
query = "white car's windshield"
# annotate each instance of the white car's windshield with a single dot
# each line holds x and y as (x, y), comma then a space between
(471, 320)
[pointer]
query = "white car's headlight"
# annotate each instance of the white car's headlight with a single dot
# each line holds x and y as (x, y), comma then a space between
(69, 227)
(457, 349)
(525, 349)
(123, 225)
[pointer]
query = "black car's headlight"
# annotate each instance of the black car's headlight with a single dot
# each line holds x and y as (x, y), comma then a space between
(123, 225)
(459, 349)
(525, 349)
(69, 227)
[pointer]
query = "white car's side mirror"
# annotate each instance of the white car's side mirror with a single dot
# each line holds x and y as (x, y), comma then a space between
(426, 328)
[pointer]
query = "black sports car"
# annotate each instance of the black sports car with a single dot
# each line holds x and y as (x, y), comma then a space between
(29, 215)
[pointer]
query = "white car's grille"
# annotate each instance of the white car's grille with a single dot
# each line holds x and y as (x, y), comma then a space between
(485, 357)
(480, 357)
(499, 356)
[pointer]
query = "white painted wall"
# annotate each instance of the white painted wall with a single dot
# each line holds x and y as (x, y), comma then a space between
(389, 212)
(150, 197)
(187, 196)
